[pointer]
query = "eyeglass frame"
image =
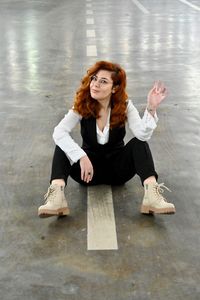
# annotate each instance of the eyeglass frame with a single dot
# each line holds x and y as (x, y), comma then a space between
(94, 78)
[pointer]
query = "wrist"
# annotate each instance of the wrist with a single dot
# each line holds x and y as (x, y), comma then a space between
(83, 157)
(151, 109)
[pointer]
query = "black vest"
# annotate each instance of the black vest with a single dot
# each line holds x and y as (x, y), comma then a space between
(89, 136)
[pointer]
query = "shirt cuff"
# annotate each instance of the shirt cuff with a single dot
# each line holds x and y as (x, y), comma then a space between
(150, 120)
(75, 155)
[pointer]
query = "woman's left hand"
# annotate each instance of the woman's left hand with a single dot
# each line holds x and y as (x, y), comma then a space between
(156, 95)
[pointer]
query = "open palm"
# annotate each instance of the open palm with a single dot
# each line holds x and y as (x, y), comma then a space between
(157, 94)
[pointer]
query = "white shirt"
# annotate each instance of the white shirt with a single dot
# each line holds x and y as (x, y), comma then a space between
(142, 128)
(103, 136)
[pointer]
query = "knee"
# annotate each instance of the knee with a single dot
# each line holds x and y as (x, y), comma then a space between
(134, 141)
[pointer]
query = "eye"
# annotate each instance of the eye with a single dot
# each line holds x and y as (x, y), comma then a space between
(103, 81)
(93, 78)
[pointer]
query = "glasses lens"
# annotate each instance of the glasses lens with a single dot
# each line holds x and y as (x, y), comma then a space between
(93, 78)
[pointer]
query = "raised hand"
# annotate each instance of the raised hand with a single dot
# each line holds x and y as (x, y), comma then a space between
(156, 95)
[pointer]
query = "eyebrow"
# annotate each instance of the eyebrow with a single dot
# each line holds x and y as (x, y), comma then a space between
(103, 77)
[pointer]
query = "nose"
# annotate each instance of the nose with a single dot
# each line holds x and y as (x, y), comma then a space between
(97, 83)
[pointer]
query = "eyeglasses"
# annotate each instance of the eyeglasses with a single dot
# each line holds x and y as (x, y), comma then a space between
(101, 81)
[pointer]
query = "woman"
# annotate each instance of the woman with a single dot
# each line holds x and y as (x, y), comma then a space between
(102, 107)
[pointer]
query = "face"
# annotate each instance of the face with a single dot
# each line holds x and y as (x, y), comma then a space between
(101, 86)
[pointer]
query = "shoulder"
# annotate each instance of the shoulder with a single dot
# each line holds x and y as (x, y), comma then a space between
(74, 114)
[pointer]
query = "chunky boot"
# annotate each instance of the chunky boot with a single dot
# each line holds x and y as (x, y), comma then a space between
(154, 202)
(55, 203)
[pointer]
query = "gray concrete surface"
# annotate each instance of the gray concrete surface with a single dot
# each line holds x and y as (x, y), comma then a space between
(42, 58)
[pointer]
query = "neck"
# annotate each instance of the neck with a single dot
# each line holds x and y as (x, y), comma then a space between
(105, 104)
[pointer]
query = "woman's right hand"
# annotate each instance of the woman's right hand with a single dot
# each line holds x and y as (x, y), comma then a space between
(87, 170)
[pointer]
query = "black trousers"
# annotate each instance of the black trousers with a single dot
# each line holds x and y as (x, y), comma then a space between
(114, 169)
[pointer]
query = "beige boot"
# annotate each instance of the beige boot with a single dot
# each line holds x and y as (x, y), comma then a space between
(154, 202)
(55, 203)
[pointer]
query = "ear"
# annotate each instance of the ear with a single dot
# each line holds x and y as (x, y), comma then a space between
(114, 89)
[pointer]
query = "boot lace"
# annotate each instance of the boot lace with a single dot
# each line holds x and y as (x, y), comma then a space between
(159, 190)
(50, 195)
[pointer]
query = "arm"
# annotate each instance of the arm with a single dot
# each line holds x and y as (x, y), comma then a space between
(142, 128)
(63, 139)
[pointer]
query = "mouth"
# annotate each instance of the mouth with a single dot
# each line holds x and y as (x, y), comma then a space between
(94, 91)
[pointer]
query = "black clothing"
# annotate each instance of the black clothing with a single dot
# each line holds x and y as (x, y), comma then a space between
(114, 163)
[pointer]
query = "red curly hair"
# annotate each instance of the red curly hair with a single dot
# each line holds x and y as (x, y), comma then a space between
(85, 105)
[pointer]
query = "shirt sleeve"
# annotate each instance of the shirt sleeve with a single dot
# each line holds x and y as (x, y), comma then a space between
(63, 139)
(142, 128)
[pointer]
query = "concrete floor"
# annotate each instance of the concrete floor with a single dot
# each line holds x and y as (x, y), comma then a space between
(42, 58)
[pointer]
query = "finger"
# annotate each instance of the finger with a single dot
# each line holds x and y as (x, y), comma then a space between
(152, 91)
(156, 85)
(88, 179)
(164, 92)
(82, 174)
(163, 88)
(89, 176)
(85, 177)
(159, 86)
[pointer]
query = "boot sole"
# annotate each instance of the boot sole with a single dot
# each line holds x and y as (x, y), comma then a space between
(150, 210)
(46, 213)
